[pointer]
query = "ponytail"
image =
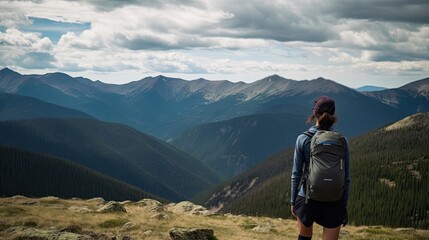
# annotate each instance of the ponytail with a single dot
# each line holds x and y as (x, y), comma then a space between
(326, 120)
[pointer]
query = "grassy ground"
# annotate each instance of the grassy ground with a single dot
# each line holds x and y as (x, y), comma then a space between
(145, 222)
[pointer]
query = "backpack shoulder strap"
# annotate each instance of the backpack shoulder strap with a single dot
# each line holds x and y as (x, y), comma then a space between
(308, 134)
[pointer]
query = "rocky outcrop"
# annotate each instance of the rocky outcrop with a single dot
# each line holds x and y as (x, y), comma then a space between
(192, 234)
(186, 207)
(112, 207)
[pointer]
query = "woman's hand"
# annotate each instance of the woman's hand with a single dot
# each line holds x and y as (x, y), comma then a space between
(292, 210)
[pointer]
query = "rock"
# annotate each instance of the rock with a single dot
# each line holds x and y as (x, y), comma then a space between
(149, 202)
(191, 234)
(112, 207)
(128, 225)
(160, 216)
(30, 203)
(151, 206)
(18, 197)
(98, 200)
(125, 202)
(344, 232)
(263, 228)
(49, 198)
(147, 232)
(405, 230)
(186, 207)
(72, 229)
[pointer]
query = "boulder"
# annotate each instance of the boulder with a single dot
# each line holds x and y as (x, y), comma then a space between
(187, 207)
(191, 234)
(112, 207)
(128, 225)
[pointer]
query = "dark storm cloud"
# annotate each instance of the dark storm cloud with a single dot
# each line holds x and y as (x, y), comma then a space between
(412, 11)
(277, 21)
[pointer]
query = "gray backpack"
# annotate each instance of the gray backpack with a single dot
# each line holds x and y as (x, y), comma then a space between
(326, 179)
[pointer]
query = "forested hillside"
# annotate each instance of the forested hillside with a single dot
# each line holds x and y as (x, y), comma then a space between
(235, 145)
(389, 171)
(115, 150)
(38, 175)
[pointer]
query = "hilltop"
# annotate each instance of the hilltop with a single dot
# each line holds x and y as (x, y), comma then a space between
(51, 217)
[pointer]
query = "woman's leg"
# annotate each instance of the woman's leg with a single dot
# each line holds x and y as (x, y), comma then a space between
(303, 230)
(331, 233)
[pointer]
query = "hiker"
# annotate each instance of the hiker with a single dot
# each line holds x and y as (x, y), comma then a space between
(319, 192)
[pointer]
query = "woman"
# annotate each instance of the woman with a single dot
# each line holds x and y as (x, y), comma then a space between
(330, 215)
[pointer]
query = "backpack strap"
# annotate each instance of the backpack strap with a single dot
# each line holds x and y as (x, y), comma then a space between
(305, 175)
(308, 134)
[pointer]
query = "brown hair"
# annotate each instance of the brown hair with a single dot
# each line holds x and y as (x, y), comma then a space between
(324, 120)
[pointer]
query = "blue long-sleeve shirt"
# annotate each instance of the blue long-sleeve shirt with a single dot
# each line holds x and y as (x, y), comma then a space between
(301, 158)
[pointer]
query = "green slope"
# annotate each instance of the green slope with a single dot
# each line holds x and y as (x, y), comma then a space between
(38, 175)
(389, 171)
(115, 150)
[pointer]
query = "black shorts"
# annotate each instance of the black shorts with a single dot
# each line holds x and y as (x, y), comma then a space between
(326, 214)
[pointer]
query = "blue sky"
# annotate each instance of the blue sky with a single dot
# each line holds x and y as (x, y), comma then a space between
(353, 42)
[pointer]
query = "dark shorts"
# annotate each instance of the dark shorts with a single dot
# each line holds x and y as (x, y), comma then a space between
(326, 214)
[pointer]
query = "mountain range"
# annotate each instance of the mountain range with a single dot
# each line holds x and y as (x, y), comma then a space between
(409, 99)
(200, 116)
(133, 132)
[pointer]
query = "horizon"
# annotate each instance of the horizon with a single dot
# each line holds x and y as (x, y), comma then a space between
(121, 41)
(164, 75)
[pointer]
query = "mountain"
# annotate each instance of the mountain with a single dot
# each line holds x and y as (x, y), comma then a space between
(61, 89)
(20, 107)
(115, 150)
(389, 171)
(38, 175)
(368, 88)
(410, 98)
(165, 107)
(233, 146)
(169, 108)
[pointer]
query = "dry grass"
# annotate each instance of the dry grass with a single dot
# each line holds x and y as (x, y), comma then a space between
(47, 213)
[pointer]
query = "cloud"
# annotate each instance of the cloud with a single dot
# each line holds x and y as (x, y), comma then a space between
(218, 36)
(11, 19)
(110, 5)
(30, 41)
(411, 11)
(277, 20)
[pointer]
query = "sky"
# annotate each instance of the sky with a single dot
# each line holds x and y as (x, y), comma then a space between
(353, 42)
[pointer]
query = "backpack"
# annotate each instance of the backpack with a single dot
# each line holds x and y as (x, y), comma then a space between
(326, 181)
